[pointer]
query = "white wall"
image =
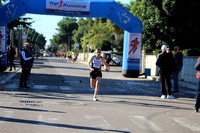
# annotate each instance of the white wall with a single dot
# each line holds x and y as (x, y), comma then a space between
(81, 56)
(188, 73)
(150, 61)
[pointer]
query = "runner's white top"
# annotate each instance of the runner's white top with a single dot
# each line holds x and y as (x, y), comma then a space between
(96, 63)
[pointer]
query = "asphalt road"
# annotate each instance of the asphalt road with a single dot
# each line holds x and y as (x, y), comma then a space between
(60, 100)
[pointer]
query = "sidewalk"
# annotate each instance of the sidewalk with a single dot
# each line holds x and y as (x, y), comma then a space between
(7, 75)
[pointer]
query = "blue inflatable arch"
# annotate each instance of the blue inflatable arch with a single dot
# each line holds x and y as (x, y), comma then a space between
(81, 8)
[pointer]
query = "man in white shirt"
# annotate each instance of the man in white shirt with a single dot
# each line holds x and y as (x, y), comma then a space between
(25, 60)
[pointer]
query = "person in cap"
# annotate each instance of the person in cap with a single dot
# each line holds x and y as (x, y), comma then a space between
(165, 62)
(25, 61)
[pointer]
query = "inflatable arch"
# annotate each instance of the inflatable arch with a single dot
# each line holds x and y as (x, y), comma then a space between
(81, 8)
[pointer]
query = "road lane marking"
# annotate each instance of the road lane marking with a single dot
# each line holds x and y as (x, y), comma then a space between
(12, 86)
(73, 82)
(10, 76)
(40, 87)
(144, 123)
(187, 123)
(65, 88)
(97, 121)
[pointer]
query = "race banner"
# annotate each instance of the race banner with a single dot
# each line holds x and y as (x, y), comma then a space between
(2, 39)
(67, 7)
(134, 48)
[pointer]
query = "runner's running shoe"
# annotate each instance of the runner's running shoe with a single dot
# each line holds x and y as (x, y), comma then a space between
(95, 98)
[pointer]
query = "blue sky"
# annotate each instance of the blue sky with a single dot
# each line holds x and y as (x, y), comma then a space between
(47, 25)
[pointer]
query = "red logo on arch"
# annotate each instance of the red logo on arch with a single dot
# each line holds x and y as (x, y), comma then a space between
(60, 4)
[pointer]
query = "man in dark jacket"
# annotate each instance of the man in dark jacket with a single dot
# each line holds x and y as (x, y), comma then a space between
(25, 60)
(12, 57)
(178, 58)
(165, 63)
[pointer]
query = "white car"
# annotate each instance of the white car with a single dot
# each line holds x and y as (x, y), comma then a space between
(46, 55)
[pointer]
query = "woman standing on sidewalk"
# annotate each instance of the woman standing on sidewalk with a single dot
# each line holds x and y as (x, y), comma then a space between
(197, 67)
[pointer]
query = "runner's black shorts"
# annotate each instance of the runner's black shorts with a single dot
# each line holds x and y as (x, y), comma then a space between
(96, 73)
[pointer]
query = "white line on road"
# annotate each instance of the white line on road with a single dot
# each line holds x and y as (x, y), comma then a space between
(10, 76)
(97, 121)
(187, 123)
(12, 86)
(144, 123)
(73, 82)
(41, 87)
(65, 88)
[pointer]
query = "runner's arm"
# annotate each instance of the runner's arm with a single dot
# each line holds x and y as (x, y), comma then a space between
(90, 61)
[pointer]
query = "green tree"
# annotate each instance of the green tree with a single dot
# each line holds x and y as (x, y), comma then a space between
(104, 44)
(100, 30)
(84, 26)
(65, 32)
(118, 43)
(168, 22)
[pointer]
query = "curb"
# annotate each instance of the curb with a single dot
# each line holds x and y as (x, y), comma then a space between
(10, 76)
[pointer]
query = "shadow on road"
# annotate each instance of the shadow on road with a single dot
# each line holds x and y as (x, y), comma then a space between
(58, 125)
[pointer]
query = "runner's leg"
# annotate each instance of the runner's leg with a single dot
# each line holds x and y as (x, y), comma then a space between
(92, 82)
(98, 80)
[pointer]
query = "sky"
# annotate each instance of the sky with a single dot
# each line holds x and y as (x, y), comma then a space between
(47, 24)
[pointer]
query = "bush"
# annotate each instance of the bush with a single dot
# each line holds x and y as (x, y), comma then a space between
(191, 52)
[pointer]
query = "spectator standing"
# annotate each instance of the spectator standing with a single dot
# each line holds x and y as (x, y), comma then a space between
(108, 59)
(12, 54)
(165, 64)
(25, 60)
(178, 58)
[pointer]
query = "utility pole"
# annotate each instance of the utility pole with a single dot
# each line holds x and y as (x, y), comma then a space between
(38, 37)
(84, 47)
(88, 43)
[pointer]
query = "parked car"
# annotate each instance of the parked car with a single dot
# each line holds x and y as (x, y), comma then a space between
(115, 58)
(46, 55)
